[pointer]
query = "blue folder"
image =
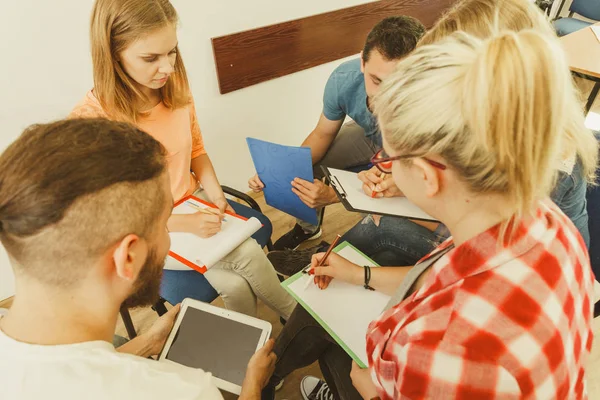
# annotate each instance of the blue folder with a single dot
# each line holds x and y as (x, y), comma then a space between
(277, 166)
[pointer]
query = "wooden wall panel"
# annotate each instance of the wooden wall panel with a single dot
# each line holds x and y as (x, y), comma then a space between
(247, 58)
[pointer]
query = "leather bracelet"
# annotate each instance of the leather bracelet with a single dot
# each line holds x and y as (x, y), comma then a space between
(367, 278)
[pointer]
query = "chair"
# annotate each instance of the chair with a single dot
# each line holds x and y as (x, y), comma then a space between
(177, 285)
(586, 8)
(593, 208)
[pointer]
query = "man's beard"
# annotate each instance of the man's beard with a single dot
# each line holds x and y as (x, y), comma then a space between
(147, 285)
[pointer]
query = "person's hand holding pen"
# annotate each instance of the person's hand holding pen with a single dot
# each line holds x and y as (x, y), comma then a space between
(376, 184)
(335, 267)
(205, 223)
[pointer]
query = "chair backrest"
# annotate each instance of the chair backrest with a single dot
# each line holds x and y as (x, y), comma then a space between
(593, 208)
(586, 8)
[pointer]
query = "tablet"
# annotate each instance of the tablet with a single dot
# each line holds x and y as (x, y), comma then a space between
(216, 340)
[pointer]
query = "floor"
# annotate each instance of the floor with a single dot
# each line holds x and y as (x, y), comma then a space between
(338, 220)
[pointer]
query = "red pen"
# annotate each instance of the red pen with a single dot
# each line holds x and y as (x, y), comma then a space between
(374, 193)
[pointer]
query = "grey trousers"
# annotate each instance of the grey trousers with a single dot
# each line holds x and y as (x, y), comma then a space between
(351, 148)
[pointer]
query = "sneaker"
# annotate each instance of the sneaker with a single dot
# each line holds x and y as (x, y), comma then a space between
(295, 237)
(289, 262)
(313, 388)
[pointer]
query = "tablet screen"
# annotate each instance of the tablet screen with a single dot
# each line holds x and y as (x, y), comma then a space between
(215, 344)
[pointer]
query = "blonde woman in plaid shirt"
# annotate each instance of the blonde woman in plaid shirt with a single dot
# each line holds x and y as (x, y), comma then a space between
(473, 131)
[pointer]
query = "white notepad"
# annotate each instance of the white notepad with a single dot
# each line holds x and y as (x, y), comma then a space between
(344, 310)
(190, 251)
(349, 189)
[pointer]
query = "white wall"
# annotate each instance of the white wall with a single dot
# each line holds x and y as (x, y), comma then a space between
(45, 69)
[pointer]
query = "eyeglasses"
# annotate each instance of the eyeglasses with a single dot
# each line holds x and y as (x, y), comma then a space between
(384, 163)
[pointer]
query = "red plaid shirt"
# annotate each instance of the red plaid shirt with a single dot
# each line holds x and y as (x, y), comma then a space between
(492, 322)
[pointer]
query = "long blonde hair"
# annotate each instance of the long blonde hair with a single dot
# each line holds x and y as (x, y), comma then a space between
(485, 18)
(493, 109)
(115, 25)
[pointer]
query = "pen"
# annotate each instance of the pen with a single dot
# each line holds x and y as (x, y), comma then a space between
(209, 211)
(374, 193)
(320, 264)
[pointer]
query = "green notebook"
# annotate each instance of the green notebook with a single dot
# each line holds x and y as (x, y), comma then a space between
(344, 310)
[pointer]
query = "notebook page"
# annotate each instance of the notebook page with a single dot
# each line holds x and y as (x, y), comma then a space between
(344, 310)
(207, 252)
(400, 206)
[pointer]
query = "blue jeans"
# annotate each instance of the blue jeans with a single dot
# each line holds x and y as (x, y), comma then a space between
(396, 241)
(569, 196)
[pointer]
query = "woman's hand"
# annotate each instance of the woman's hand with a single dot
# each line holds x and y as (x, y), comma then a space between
(204, 225)
(335, 267)
(361, 379)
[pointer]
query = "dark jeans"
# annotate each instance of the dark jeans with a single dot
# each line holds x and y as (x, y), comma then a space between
(302, 342)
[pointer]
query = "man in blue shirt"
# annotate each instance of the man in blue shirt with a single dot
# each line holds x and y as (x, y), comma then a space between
(347, 94)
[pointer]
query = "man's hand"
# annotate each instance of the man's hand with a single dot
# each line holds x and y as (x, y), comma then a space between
(372, 183)
(256, 184)
(159, 331)
(315, 194)
(361, 379)
(259, 371)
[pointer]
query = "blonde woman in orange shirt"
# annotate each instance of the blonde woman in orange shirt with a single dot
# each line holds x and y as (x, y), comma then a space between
(139, 77)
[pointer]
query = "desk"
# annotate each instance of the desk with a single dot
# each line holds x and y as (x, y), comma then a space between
(583, 54)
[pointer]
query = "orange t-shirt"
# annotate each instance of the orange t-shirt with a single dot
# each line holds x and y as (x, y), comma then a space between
(177, 130)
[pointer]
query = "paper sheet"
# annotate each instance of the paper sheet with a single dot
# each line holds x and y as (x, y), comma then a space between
(207, 252)
(596, 30)
(344, 310)
(400, 206)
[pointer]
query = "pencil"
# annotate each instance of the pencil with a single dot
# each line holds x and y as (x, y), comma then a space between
(320, 264)
(374, 193)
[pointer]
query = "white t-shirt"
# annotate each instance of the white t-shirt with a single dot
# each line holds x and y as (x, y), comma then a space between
(94, 370)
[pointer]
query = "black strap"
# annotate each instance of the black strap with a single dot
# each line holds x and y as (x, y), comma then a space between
(367, 278)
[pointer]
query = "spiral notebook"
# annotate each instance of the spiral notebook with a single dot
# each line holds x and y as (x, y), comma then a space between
(190, 251)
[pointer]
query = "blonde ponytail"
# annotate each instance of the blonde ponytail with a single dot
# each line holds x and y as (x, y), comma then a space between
(485, 18)
(497, 111)
(515, 114)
